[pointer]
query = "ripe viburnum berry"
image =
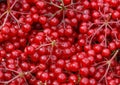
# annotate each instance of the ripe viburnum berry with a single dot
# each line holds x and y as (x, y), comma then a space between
(59, 42)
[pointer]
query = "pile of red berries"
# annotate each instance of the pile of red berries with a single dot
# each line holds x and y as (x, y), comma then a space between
(60, 42)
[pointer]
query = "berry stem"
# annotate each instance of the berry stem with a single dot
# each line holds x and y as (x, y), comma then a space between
(62, 3)
(51, 3)
(105, 36)
(109, 64)
(7, 82)
(3, 14)
(15, 19)
(92, 36)
(43, 45)
(13, 4)
(5, 20)
(55, 14)
(19, 12)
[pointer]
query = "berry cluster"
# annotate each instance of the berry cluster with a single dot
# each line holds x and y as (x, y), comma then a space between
(60, 42)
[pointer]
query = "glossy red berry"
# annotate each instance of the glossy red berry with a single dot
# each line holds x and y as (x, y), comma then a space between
(61, 77)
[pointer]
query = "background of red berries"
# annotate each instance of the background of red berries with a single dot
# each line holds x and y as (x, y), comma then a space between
(60, 42)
